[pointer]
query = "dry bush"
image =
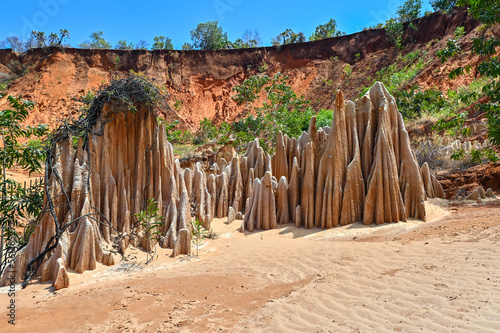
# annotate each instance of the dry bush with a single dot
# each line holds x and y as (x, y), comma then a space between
(211, 234)
(431, 149)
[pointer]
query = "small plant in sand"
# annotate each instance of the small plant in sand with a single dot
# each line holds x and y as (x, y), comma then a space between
(151, 222)
(199, 233)
(211, 234)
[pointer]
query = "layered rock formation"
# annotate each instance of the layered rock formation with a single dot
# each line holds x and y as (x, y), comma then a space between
(360, 169)
(95, 190)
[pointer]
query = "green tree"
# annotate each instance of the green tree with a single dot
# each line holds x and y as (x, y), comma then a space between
(410, 10)
(16, 201)
(162, 43)
(123, 45)
(53, 39)
(485, 46)
(40, 40)
(278, 108)
(187, 46)
(209, 36)
(63, 34)
(288, 37)
(445, 5)
(249, 39)
(57, 39)
(97, 41)
(326, 30)
(394, 31)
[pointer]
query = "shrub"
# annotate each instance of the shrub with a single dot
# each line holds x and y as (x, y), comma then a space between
(280, 109)
(430, 149)
(207, 131)
(453, 126)
(347, 71)
(403, 70)
(452, 45)
(414, 103)
(151, 222)
(324, 118)
(199, 233)
(326, 30)
(394, 31)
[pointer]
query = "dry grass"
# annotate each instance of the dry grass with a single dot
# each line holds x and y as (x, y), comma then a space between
(432, 149)
(184, 150)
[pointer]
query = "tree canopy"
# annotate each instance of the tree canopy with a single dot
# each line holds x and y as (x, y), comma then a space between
(162, 43)
(123, 45)
(288, 37)
(97, 41)
(410, 10)
(326, 30)
(209, 36)
(446, 5)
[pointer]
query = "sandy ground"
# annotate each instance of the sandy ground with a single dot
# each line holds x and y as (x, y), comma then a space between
(23, 176)
(439, 276)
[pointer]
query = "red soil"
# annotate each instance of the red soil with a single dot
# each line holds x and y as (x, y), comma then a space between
(203, 80)
(462, 182)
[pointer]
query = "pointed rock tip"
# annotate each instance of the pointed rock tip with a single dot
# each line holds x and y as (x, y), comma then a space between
(267, 178)
(339, 100)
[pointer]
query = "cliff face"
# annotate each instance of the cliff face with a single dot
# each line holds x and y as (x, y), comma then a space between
(203, 80)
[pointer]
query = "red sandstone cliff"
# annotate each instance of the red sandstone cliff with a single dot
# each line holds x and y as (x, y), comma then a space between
(203, 80)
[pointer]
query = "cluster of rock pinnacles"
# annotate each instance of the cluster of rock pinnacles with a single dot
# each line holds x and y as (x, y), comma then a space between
(361, 168)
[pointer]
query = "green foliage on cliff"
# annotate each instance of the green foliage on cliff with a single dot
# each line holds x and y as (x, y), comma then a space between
(485, 46)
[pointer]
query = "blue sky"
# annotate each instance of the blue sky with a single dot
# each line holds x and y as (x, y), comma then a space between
(135, 20)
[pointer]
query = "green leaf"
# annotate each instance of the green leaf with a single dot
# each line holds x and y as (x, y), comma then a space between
(458, 155)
